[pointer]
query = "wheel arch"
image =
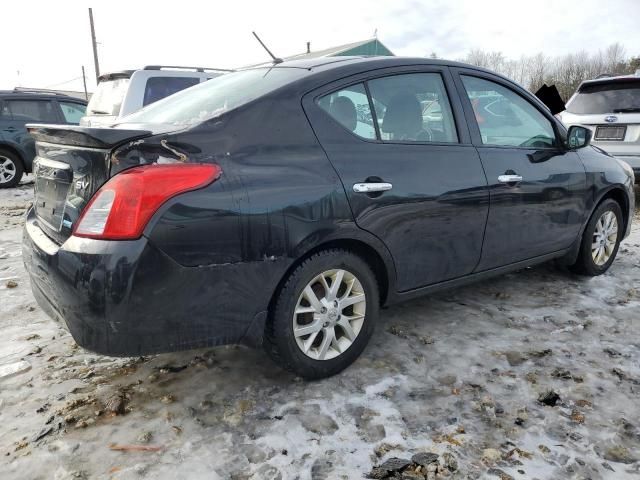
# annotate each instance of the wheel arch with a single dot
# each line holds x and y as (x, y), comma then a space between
(380, 263)
(12, 149)
(617, 193)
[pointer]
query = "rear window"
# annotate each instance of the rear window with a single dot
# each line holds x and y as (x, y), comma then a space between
(216, 96)
(108, 97)
(611, 97)
(158, 88)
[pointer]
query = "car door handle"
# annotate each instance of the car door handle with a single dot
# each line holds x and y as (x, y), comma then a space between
(371, 187)
(10, 129)
(510, 178)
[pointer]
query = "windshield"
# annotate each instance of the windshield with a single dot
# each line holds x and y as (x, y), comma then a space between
(611, 97)
(108, 97)
(216, 96)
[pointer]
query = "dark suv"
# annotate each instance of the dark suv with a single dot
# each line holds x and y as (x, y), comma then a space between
(282, 206)
(19, 107)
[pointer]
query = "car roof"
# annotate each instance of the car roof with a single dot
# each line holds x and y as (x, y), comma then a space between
(616, 79)
(161, 68)
(341, 61)
(34, 94)
(350, 65)
(326, 69)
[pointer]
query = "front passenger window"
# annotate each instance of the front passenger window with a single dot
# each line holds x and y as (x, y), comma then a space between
(505, 118)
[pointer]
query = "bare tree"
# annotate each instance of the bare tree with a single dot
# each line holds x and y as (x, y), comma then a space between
(614, 58)
(566, 72)
(536, 68)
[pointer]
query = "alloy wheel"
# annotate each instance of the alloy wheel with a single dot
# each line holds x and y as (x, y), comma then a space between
(7, 169)
(329, 314)
(605, 237)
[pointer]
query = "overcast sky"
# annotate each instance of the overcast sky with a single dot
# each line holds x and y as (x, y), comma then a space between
(45, 43)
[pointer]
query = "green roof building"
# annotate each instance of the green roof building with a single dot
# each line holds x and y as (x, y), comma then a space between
(370, 47)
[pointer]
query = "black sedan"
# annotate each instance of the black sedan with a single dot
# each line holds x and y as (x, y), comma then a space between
(283, 206)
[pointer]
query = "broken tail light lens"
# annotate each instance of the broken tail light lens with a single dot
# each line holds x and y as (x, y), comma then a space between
(122, 207)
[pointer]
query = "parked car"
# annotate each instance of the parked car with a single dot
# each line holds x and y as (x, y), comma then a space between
(120, 93)
(19, 107)
(252, 209)
(610, 108)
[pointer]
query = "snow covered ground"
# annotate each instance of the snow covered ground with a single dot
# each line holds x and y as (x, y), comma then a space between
(458, 373)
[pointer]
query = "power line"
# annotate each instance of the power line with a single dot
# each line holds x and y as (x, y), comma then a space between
(63, 83)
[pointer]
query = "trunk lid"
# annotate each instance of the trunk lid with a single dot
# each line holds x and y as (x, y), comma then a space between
(71, 164)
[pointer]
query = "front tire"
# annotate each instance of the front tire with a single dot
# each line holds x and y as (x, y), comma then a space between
(600, 240)
(11, 169)
(323, 315)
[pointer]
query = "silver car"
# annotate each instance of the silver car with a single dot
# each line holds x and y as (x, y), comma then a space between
(610, 108)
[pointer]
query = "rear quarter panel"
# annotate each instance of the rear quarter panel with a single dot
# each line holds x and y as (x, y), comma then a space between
(277, 198)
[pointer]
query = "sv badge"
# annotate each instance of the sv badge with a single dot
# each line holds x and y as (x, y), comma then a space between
(81, 184)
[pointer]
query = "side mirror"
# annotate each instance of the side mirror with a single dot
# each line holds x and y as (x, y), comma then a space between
(578, 137)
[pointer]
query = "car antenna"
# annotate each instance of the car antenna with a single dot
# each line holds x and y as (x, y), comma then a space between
(276, 60)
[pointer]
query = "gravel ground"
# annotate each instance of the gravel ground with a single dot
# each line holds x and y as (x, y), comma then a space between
(532, 375)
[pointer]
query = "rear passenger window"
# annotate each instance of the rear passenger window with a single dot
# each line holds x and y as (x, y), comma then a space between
(158, 88)
(350, 108)
(32, 110)
(413, 107)
(505, 118)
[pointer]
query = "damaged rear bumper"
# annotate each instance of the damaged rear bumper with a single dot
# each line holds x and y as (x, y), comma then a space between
(127, 298)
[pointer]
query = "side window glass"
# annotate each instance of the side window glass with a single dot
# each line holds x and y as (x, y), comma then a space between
(72, 112)
(350, 108)
(158, 88)
(413, 107)
(505, 118)
(32, 110)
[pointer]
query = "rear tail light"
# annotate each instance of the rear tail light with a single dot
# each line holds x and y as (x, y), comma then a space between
(123, 206)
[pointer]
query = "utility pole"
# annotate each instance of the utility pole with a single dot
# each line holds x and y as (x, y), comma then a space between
(84, 81)
(95, 47)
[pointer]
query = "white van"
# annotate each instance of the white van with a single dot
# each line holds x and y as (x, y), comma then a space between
(120, 93)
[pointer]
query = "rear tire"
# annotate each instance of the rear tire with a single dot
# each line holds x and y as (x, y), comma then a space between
(600, 240)
(11, 169)
(323, 315)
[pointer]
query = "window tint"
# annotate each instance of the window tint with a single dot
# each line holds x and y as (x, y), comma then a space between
(72, 112)
(413, 107)
(160, 87)
(32, 110)
(350, 108)
(612, 97)
(505, 118)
